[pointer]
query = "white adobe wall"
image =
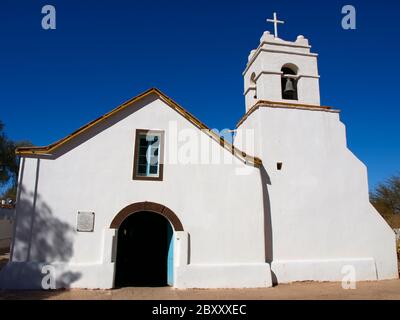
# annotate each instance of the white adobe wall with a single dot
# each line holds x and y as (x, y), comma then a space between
(318, 203)
(221, 210)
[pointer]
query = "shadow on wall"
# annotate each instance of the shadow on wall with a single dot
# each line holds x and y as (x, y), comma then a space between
(269, 254)
(39, 240)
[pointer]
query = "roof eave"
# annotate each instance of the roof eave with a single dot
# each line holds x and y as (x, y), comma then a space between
(48, 150)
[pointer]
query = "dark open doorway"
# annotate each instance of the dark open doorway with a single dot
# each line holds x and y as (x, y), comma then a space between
(144, 240)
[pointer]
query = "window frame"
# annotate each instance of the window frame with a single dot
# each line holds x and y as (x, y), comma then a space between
(136, 176)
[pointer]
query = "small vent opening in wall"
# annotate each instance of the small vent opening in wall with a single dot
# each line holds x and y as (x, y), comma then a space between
(279, 165)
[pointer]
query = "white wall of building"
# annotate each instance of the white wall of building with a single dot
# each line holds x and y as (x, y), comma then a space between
(320, 212)
(219, 206)
(243, 226)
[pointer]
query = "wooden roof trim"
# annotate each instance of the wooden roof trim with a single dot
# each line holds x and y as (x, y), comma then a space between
(57, 144)
(183, 112)
(273, 104)
(225, 144)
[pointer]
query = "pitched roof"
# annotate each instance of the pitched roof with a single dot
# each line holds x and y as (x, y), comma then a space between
(171, 103)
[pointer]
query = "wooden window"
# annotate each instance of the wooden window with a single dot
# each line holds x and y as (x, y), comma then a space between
(149, 155)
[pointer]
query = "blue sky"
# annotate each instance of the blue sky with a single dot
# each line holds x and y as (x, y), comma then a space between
(104, 52)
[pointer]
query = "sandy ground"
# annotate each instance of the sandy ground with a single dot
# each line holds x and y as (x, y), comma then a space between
(389, 289)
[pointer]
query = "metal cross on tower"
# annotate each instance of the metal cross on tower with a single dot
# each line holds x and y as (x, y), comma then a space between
(275, 21)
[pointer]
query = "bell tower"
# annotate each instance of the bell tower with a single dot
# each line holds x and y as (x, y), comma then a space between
(315, 190)
(281, 71)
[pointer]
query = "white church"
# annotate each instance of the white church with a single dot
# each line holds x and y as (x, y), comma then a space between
(148, 195)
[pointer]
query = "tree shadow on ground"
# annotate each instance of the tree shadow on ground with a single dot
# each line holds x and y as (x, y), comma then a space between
(29, 294)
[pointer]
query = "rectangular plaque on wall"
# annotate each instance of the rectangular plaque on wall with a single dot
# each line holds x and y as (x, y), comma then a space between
(85, 221)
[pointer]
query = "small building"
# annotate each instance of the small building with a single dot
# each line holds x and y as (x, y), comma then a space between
(148, 195)
(6, 226)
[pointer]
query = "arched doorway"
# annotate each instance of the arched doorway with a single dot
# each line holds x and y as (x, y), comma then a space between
(144, 251)
(144, 255)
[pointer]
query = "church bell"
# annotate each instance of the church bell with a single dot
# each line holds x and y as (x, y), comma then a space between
(289, 88)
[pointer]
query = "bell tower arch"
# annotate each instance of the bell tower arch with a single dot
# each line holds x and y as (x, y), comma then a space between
(282, 71)
(289, 82)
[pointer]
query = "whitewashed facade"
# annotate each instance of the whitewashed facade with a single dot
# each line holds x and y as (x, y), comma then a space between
(288, 203)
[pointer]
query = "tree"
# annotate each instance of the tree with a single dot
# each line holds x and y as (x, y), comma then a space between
(8, 166)
(9, 163)
(386, 196)
(386, 199)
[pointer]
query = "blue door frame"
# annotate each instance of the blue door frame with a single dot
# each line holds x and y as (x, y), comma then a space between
(170, 258)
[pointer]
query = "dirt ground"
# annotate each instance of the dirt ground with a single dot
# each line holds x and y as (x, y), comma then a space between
(387, 290)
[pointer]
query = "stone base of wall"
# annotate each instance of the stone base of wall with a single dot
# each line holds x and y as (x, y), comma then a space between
(286, 271)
